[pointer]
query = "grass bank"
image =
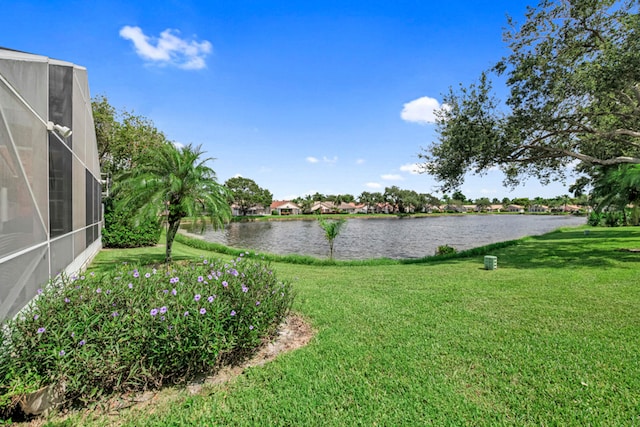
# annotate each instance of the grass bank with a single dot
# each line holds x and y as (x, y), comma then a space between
(551, 337)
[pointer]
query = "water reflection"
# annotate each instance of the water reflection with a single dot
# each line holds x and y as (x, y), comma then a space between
(386, 237)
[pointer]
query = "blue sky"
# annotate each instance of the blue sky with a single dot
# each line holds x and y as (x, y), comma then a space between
(300, 96)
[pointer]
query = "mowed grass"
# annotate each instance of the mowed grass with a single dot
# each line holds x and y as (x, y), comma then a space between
(552, 337)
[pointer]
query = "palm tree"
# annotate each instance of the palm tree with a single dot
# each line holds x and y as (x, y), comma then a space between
(331, 230)
(176, 183)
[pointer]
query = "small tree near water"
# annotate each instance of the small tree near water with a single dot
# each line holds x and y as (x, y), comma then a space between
(331, 230)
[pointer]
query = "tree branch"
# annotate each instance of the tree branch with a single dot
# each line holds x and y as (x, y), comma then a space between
(557, 152)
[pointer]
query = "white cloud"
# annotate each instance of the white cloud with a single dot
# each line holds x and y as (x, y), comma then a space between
(392, 177)
(168, 49)
(373, 185)
(360, 161)
(332, 160)
(325, 159)
(421, 110)
(412, 168)
(178, 145)
(487, 191)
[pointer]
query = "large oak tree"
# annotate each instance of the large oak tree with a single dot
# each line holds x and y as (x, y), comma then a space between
(246, 194)
(573, 76)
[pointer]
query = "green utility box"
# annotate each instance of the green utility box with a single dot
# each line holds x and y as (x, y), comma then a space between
(490, 262)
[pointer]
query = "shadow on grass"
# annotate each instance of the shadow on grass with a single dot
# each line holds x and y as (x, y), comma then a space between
(596, 248)
(107, 259)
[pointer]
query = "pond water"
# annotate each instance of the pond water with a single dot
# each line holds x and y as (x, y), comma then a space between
(392, 237)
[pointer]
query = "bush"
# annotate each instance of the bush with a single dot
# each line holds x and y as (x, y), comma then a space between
(121, 231)
(613, 219)
(139, 328)
(445, 250)
(595, 219)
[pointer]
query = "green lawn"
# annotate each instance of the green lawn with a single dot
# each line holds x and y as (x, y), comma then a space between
(552, 337)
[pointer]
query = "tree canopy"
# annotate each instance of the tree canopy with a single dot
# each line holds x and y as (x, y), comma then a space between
(124, 139)
(247, 194)
(573, 76)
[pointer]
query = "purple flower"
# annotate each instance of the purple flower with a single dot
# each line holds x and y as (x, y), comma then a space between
(130, 285)
(162, 318)
(115, 314)
(197, 297)
(147, 275)
(153, 311)
(163, 309)
(251, 327)
(36, 316)
(244, 289)
(108, 291)
(233, 272)
(73, 334)
(210, 299)
(202, 310)
(174, 280)
(62, 353)
(136, 274)
(186, 313)
(233, 312)
(98, 290)
(257, 303)
(224, 283)
(39, 291)
(67, 299)
(205, 262)
(174, 292)
(200, 279)
(82, 342)
(41, 330)
(166, 291)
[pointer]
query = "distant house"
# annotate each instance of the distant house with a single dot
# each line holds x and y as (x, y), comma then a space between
(453, 207)
(385, 208)
(515, 208)
(360, 208)
(285, 207)
(539, 208)
(567, 208)
(252, 211)
(352, 208)
(323, 207)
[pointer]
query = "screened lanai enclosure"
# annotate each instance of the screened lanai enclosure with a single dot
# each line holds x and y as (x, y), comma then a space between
(50, 193)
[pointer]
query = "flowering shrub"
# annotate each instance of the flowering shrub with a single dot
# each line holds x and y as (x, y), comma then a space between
(139, 328)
